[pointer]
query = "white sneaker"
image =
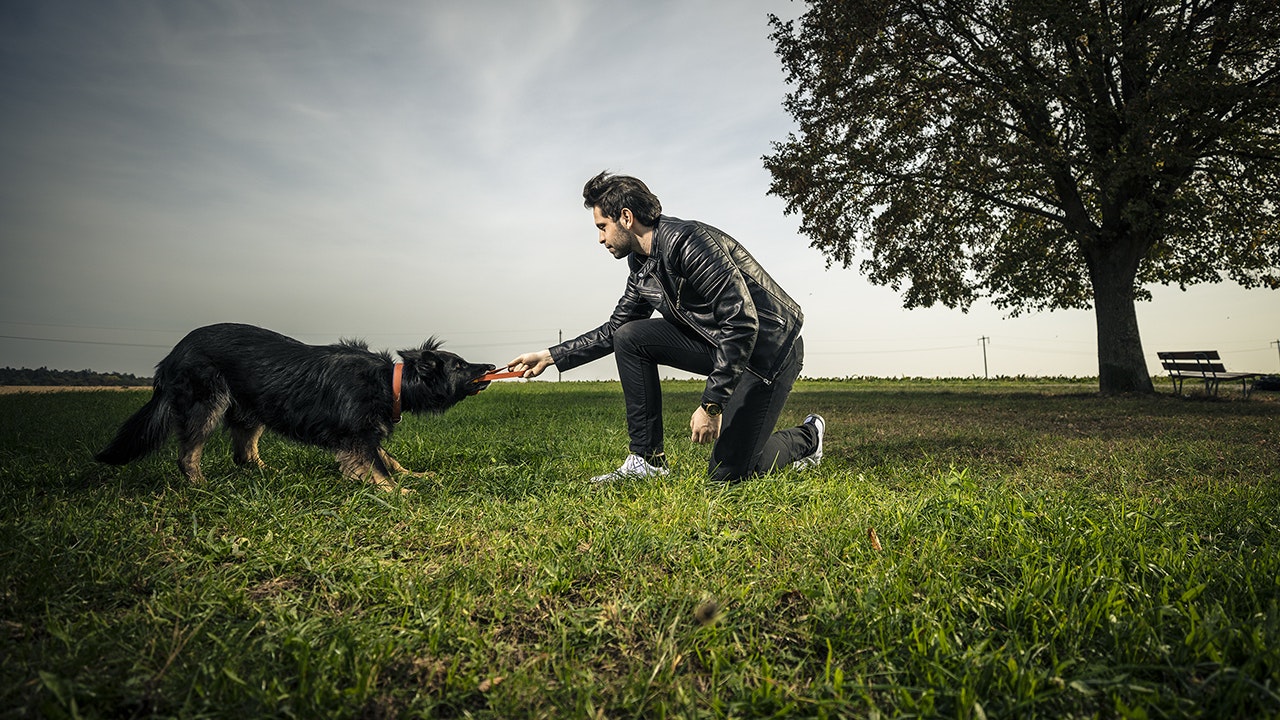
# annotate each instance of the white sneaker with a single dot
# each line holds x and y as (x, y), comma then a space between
(815, 457)
(633, 467)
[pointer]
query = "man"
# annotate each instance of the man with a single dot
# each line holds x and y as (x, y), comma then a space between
(722, 316)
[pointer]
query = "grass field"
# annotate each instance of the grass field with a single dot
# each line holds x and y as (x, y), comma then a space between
(967, 549)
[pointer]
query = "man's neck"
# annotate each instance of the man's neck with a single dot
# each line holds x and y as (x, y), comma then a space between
(644, 238)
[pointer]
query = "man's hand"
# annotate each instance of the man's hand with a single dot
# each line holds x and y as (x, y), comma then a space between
(532, 364)
(704, 427)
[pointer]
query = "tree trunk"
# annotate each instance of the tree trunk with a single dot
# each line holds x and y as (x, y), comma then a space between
(1122, 368)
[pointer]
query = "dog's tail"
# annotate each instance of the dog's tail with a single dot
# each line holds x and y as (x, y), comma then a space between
(143, 433)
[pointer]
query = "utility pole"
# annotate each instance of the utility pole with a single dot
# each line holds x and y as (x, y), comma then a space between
(984, 340)
(1277, 344)
(558, 367)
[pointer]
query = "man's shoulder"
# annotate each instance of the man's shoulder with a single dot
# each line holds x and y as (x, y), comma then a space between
(673, 226)
(676, 237)
(672, 231)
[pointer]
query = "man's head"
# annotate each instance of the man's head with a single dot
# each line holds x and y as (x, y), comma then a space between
(622, 207)
(612, 193)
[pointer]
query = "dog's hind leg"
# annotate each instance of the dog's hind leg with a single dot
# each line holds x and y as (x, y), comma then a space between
(199, 420)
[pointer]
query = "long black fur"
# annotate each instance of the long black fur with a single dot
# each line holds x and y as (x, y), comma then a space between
(337, 397)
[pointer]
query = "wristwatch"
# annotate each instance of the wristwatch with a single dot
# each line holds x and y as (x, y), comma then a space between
(712, 409)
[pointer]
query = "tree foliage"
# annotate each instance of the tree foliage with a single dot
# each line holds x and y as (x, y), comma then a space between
(88, 378)
(1038, 153)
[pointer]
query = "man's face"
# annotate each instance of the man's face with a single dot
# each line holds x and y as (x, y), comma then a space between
(618, 240)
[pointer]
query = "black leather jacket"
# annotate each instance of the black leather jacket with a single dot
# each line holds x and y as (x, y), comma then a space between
(700, 277)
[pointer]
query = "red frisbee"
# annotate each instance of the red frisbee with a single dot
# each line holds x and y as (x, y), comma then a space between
(500, 376)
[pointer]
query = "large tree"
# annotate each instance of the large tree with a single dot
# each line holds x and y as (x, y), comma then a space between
(1042, 154)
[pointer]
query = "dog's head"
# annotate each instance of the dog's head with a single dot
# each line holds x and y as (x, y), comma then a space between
(435, 380)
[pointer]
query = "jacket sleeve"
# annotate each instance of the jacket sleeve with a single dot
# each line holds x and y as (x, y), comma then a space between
(597, 343)
(709, 275)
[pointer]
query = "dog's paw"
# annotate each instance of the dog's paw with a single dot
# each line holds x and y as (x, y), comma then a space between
(389, 486)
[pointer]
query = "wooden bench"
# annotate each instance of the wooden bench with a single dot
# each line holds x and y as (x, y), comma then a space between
(1203, 365)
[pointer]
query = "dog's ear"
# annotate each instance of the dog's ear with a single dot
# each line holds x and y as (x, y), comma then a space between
(424, 361)
(421, 362)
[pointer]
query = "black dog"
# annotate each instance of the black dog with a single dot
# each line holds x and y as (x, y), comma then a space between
(340, 397)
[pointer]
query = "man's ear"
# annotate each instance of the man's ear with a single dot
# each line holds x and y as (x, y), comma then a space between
(626, 218)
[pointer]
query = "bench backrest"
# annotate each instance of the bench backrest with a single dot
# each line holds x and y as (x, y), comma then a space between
(1192, 361)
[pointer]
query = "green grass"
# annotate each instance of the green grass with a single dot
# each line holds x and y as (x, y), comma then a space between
(1044, 553)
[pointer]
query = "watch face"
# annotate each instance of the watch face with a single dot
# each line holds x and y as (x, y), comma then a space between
(712, 409)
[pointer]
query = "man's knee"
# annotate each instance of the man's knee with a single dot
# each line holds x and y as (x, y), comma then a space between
(727, 473)
(626, 339)
(636, 338)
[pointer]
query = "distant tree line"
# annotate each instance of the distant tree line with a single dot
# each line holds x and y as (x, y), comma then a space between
(45, 376)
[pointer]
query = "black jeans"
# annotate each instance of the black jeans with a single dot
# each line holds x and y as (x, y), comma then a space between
(747, 443)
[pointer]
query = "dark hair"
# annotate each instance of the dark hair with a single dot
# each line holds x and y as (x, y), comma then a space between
(611, 193)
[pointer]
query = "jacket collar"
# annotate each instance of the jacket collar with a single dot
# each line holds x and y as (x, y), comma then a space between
(646, 264)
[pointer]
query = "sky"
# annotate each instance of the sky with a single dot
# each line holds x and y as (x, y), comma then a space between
(396, 170)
